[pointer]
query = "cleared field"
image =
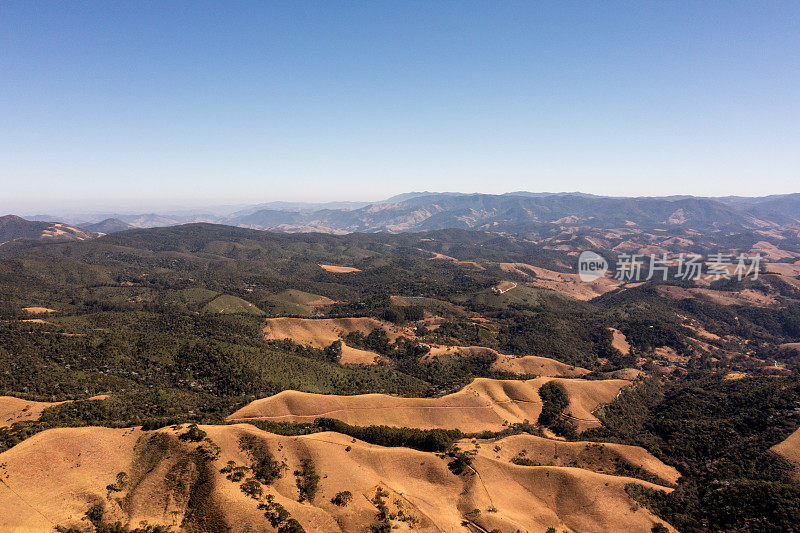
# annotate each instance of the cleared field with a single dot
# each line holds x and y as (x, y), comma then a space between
(795, 346)
(791, 280)
(196, 295)
(619, 341)
(339, 269)
(770, 252)
(295, 302)
(484, 404)
(504, 286)
(39, 310)
(227, 304)
(168, 483)
(304, 298)
(37, 321)
(441, 257)
(541, 366)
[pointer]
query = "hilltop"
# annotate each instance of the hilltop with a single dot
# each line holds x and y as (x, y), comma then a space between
(14, 228)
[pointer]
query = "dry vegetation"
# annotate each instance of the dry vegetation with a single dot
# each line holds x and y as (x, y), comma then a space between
(790, 449)
(563, 283)
(17, 410)
(484, 405)
(322, 332)
(339, 269)
(158, 478)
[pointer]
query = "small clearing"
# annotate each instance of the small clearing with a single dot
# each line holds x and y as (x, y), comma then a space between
(39, 310)
(339, 269)
(619, 341)
(504, 286)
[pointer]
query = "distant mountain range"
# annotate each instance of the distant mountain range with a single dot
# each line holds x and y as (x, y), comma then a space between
(528, 212)
(517, 212)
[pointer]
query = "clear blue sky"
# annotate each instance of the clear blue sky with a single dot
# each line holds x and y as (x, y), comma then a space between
(109, 104)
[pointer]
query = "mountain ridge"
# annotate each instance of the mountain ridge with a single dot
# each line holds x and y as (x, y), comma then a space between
(513, 212)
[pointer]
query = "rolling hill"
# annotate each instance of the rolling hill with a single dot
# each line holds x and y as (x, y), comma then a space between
(109, 225)
(484, 405)
(14, 228)
(164, 478)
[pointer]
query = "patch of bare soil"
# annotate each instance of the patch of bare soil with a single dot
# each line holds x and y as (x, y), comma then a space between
(38, 310)
(504, 286)
(339, 269)
(619, 341)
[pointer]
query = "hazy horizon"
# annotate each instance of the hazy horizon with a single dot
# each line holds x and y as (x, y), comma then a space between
(225, 209)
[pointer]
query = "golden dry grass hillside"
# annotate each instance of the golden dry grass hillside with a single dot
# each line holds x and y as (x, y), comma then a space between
(541, 366)
(604, 458)
(790, 450)
(38, 310)
(13, 409)
(158, 478)
(563, 283)
(339, 269)
(784, 269)
(619, 341)
(743, 297)
(483, 405)
(523, 364)
(321, 332)
(18, 410)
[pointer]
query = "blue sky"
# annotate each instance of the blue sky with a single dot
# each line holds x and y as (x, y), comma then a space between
(149, 104)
